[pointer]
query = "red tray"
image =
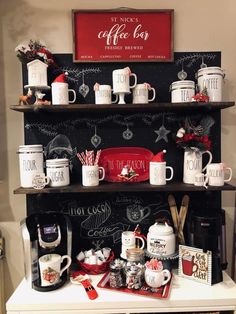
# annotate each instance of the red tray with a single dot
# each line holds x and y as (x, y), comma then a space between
(114, 159)
(161, 292)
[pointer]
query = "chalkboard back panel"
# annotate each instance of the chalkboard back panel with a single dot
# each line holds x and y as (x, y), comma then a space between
(99, 219)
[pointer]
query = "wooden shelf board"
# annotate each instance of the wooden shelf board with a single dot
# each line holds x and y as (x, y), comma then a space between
(106, 187)
(125, 107)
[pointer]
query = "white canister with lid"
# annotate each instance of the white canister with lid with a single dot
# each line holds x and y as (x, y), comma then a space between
(211, 78)
(161, 240)
(30, 162)
(182, 91)
(58, 172)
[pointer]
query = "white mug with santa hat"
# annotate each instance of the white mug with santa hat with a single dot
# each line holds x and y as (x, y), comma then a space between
(60, 91)
(157, 170)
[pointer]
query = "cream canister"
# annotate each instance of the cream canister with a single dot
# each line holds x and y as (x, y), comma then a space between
(161, 240)
(30, 163)
(58, 172)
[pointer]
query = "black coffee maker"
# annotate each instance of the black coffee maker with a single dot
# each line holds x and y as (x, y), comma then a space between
(45, 233)
(207, 232)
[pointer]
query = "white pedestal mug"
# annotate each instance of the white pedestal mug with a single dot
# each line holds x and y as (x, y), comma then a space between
(121, 80)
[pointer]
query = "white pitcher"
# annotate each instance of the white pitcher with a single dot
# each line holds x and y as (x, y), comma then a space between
(193, 164)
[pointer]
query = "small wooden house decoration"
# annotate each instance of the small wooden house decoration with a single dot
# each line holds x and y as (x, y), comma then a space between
(37, 73)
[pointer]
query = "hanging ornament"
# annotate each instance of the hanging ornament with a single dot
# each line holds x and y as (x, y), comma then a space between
(162, 132)
(127, 134)
(83, 89)
(203, 65)
(182, 75)
(96, 139)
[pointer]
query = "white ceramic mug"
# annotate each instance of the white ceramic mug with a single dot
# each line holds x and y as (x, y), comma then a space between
(60, 94)
(216, 174)
(50, 268)
(40, 181)
(157, 278)
(201, 179)
(128, 240)
(103, 95)
(121, 80)
(91, 175)
(157, 173)
(141, 93)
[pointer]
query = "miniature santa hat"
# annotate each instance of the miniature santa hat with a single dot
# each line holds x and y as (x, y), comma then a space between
(62, 78)
(159, 157)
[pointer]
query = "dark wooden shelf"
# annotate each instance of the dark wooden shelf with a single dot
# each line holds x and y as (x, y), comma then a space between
(106, 187)
(125, 107)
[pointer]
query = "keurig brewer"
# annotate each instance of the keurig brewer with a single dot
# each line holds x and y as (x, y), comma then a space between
(45, 233)
(207, 233)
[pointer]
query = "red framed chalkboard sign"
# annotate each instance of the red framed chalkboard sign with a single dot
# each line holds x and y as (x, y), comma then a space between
(122, 35)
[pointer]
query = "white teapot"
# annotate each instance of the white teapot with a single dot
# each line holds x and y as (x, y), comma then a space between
(161, 239)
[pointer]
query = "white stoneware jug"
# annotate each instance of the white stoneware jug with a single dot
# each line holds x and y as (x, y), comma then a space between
(193, 164)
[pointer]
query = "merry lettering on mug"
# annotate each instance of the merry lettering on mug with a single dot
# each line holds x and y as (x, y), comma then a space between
(103, 94)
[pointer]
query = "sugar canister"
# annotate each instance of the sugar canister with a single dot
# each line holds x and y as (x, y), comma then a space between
(58, 172)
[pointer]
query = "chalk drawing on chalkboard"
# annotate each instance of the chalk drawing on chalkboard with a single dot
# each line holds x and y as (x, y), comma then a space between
(96, 139)
(162, 132)
(60, 147)
(97, 244)
(127, 134)
(190, 59)
(136, 213)
(83, 89)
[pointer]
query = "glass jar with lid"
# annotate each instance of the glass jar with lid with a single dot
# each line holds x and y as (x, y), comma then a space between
(134, 268)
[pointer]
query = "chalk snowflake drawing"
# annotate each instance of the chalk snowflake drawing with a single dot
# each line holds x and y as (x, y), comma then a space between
(190, 59)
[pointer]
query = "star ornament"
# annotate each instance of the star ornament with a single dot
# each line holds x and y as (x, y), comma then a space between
(162, 134)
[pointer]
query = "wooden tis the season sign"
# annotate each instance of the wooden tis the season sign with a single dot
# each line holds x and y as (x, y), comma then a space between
(118, 36)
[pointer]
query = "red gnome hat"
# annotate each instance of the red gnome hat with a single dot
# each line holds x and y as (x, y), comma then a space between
(61, 78)
(159, 157)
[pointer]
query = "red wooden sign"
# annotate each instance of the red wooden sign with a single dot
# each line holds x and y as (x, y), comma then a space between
(118, 36)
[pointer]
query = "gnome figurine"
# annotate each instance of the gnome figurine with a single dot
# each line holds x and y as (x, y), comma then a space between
(60, 91)
(158, 169)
